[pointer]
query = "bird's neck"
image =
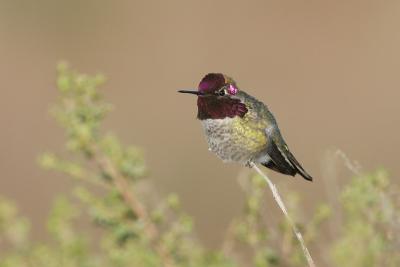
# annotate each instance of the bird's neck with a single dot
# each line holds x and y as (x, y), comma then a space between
(220, 108)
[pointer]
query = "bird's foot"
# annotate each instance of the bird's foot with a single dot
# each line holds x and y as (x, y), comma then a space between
(249, 164)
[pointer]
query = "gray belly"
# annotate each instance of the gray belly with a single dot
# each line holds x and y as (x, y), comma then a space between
(220, 141)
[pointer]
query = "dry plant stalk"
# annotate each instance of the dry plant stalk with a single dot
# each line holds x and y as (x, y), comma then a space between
(282, 206)
(135, 205)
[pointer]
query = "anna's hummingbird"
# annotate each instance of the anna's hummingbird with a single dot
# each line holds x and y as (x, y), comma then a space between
(240, 128)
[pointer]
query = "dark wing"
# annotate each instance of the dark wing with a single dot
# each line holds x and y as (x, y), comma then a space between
(281, 159)
(278, 162)
(300, 170)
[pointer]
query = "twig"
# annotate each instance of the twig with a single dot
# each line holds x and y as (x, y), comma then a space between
(352, 166)
(278, 200)
(136, 206)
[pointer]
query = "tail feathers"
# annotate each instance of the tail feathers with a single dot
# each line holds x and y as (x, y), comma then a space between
(300, 170)
(284, 169)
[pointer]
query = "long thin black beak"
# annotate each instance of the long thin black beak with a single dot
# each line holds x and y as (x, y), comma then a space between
(191, 92)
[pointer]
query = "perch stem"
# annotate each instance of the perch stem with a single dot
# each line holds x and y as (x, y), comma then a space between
(282, 206)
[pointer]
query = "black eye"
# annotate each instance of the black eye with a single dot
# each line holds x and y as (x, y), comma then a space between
(221, 92)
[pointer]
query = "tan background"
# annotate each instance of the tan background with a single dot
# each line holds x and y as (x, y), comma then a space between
(329, 70)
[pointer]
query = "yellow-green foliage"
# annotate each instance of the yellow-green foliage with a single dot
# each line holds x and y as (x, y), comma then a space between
(129, 233)
(371, 231)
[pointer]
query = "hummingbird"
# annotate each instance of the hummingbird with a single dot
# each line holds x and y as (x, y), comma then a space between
(240, 128)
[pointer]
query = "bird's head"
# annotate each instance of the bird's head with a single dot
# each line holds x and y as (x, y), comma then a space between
(218, 97)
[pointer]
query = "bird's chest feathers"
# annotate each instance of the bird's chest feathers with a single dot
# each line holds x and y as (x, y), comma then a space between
(232, 140)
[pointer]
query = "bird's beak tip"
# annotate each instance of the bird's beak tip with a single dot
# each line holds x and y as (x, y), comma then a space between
(194, 92)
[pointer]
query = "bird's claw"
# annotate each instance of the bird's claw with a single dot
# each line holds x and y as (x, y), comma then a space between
(249, 164)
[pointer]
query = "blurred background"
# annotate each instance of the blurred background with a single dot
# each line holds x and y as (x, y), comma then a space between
(327, 69)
